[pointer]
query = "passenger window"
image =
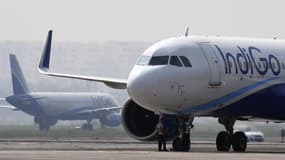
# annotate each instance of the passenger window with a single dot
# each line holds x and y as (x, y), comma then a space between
(159, 60)
(175, 61)
(185, 61)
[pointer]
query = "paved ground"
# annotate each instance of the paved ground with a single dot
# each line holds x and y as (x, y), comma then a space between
(133, 155)
(28, 149)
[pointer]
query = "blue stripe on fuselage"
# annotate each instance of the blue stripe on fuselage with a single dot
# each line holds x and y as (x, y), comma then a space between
(227, 97)
(267, 103)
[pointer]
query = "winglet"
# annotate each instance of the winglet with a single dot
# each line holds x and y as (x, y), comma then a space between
(44, 62)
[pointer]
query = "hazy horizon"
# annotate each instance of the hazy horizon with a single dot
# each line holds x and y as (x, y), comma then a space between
(131, 20)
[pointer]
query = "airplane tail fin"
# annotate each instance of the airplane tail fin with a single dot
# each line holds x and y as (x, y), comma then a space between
(18, 80)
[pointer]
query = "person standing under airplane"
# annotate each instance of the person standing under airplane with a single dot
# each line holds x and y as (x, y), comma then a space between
(161, 134)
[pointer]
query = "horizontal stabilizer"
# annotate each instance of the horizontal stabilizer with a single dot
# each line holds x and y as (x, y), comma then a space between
(9, 107)
(5, 104)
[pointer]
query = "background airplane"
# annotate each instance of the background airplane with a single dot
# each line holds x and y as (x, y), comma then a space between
(49, 107)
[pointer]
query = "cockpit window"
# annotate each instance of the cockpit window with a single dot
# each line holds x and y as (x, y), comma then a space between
(144, 60)
(159, 60)
(175, 61)
(185, 61)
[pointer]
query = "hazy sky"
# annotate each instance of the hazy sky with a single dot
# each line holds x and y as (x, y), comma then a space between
(139, 20)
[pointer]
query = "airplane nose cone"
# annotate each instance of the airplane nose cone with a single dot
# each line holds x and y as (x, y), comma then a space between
(147, 86)
(138, 87)
(141, 88)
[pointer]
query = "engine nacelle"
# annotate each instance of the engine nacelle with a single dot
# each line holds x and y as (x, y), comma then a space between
(111, 119)
(141, 123)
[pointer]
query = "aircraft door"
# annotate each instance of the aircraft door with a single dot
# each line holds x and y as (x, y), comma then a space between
(213, 63)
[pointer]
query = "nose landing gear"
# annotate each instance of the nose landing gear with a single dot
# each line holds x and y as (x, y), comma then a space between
(226, 139)
(182, 142)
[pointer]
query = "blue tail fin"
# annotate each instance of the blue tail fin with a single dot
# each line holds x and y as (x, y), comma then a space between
(18, 80)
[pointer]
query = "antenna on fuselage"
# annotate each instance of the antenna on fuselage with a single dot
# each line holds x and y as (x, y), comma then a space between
(187, 31)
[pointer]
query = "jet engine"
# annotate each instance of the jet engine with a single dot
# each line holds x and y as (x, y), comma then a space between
(111, 119)
(141, 123)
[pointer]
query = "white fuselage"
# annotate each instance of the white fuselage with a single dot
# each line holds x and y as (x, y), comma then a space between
(223, 71)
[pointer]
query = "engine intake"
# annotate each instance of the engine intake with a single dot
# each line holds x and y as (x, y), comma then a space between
(141, 123)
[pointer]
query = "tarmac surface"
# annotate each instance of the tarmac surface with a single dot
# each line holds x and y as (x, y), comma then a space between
(121, 149)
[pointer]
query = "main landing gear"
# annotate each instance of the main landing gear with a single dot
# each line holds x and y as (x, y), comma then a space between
(182, 142)
(44, 123)
(226, 139)
(87, 126)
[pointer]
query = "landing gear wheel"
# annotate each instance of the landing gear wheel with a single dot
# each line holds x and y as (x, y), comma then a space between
(87, 127)
(223, 141)
(182, 141)
(186, 142)
(239, 142)
(176, 144)
(182, 144)
(43, 127)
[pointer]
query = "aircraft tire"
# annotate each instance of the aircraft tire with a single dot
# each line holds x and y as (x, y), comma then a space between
(43, 127)
(182, 144)
(239, 142)
(223, 141)
(87, 127)
(176, 144)
(186, 142)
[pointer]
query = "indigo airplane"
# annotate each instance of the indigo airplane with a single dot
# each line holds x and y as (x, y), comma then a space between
(195, 76)
(49, 107)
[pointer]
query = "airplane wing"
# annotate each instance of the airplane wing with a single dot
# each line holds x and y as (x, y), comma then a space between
(92, 112)
(44, 69)
(100, 110)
